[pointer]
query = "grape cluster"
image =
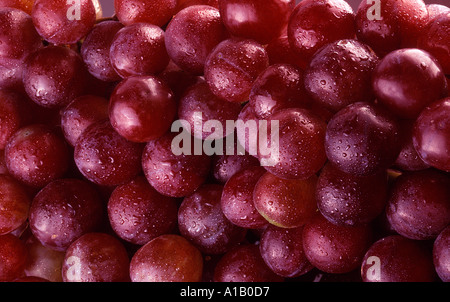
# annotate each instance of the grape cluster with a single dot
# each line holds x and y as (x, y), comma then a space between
(356, 186)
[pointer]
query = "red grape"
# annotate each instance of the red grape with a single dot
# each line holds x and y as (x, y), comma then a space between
(282, 251)
(167, 258)
(62, 22)
(431, 135)
(137, 11)
(139, 49)
(335, 249)
(64, 210)
(192, 34)
(36, 155)
(441, 255)
(232, 67)
(287, 203)
(96, 257)
(419, 204)
(14, 204)
(225, 166)
(202, 221)
(138, 213)
(13, 256)
(408, 80)
(261, 21)
(106, 158)
(397, 259)
(142, 108)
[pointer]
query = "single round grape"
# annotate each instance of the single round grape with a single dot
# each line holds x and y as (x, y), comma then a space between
(395, 258)
(431, 135)
(282, 251)
(13, 256)
(441, 255)
(346, 199)
(96, 257)
(362, 139)
(313, 24)
(286, 203)
(106, 158)
(24, 5)
(407, 80)
(137, 11)
(244, 263)
(278, 87)
(36, 155)
(335, 249)
(167, 258)
(192, 34)
(206, 114)
(95, 50)
(262, 22)
(237, 199)
(54, 76)
(14, 204)
(139, 49)
(62, 22)
(324, 78)
(80, 114)
(225, 166)
(138, 213)
(232, 67)
(202, 221)
(419, 204)
(391, 25)
(142, 108)
(19, 39)
(294, 146)
(43, 262)
(170, 174)
(64, 210)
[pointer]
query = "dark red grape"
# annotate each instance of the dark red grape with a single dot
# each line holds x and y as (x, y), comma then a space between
(192, 34)
(170, 174)
(36, 155)
(362, 139)
(206, 114)
(139, 49)
(341, 74)
(335, 249)
(237, 198)
(313, 24)
(282, 251)
(388, 25)
(64, 210)
(441, 255)
(397, 259)
(63, 22)
(95, 50)
(106, 158)
(202, 221)
(14, 204)
(261, 22)
(54, 76)
(233, 66)
(13, 256)
(167, 258)
(286, 203)
(96, 257)
(225, 166)
(138, 213)
(419, 204)
(278, 87)
(142, 108)
(294, 147)
(244, 263)
(80, 114)
(431, 135)
(137, 11)
(408, 80)
(346, 199)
